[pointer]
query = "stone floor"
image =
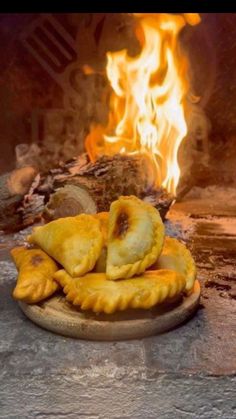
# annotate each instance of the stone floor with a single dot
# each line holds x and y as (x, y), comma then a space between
(189, 372)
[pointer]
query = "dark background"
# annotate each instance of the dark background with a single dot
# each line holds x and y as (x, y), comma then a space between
(28, 92)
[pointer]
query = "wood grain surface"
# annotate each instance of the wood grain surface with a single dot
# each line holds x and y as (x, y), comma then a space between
(60, 317)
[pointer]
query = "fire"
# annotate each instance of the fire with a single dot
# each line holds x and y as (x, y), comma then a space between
(147, 104)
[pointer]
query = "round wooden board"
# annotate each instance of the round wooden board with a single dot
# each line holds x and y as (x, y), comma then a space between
(58, 316)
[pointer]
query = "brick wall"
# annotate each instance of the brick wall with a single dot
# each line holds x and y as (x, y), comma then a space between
(51, 102)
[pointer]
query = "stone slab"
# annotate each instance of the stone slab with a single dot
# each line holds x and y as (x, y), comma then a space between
(189, 372)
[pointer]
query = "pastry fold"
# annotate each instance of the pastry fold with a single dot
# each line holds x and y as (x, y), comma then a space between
(135, 237)
(95, 292)
(102, 260)
(74, 242)
(35, 275)
(177, 257)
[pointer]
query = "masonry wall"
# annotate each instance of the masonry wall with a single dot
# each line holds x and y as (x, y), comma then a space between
(47, 105)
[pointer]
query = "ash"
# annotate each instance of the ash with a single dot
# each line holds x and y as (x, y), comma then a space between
(16, 239)
(207, 224)
(212, 192)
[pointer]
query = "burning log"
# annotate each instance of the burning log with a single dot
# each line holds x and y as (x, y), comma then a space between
(145, 114)
(82, 186)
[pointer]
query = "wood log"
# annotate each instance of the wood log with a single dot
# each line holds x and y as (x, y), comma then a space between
(82, 186)
(69, 200)
(13, 187)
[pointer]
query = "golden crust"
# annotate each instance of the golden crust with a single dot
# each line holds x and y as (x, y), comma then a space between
(102, 261)
(177, 257)
(94, 292)
(103, 218)
(74, 242)
(135, 237)
(35, 279)
(100, 265)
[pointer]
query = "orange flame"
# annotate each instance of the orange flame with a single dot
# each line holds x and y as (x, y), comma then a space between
(146, 113)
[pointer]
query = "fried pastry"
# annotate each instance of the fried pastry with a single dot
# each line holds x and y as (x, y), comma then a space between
(35, 279)
(101, 263)
(177, 257)
(103, 218)
(94, 292)
(74, 242)
(135, 237)
(102, 260)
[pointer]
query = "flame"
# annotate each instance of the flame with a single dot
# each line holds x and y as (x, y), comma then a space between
(147, 103)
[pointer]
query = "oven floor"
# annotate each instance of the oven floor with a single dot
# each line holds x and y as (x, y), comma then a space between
(189, 372)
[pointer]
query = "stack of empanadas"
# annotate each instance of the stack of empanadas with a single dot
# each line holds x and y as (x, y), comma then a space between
(105, 262)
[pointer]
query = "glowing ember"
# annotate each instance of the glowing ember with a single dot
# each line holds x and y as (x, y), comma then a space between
(148, 98)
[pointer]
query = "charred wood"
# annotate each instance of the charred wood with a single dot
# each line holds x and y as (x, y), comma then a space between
(82, 186)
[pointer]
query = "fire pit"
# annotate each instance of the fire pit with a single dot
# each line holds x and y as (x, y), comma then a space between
(135, 150)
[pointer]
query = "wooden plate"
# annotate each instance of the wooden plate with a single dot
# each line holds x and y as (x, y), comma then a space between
(58, 316)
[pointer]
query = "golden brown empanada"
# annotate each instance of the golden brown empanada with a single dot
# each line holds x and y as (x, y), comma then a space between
(74, 242)
(176, 256)
(103, 218)
(102, 260)
(94, 292)
(135, 237)
(35, 279)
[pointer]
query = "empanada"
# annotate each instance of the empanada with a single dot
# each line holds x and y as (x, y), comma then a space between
(135, 237)
(176, 256)
(74, 242)
(35, 279)
(101, 263)
(94, 292)
(102, 260)
(103, 218)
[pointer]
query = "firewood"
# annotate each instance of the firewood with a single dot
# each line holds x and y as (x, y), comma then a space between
(83, 186)
(13, 187)
(69, 201)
